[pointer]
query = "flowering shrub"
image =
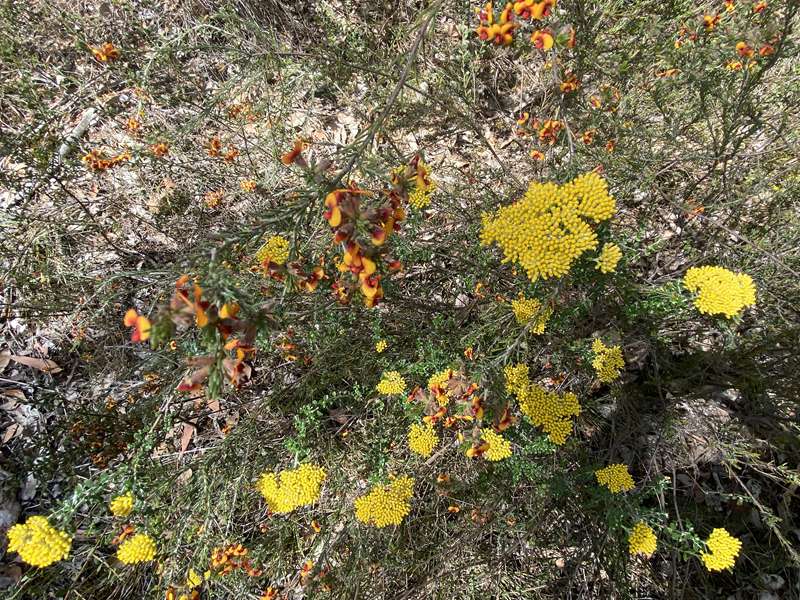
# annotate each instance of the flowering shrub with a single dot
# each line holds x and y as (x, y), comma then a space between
(231, 240)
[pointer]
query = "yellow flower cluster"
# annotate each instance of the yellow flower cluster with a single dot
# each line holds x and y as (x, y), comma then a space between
(526, 309)
(391, 383)
(122, 506)
(275, 249)
(608, 258)
(424, 186)
(615, 477)
(719, 291)
(546, 230)
(608, 361)
(422, 439)
(517, 378)
(386, 504)
(724, 550)
(139, 548)
(381, 346)
(499, 447)
(551, 411)
(291, 488)
(642, 540)
(436, 384)
(38, 543)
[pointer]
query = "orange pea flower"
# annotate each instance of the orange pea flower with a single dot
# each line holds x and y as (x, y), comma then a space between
(759, 7)
(729, 6)
(537, 154)
(744, 50)
(214, 146)
(766, 50)
(710, 21)
(160, 150)
(105, 53)
(141, 325)
(293, 155)
(570, 84)
(543, 39)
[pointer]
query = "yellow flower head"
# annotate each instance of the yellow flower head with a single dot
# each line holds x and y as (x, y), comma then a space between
(608, 361)
(551, 411)
(527, 309)
(391, 383)
(642, 540)
(291, 488)
(422, 439)
(139, 548)
(719, 291)
(499, 447)
(381, 346)
(517, 378)
(122, 506)
(724, 548)
(616, 478)
(275, 249)
(609, 257)
(386, 504)
(547, 230)
(38, 543)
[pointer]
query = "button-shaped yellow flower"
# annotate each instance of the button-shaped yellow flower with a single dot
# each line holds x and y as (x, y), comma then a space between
(720, 291)
(391, 383)
(275, 250)
(422, 439)
(608, 361)
(548, 229)
(292, 488)
(616, 478)
(386, 504)
(642, 540)
(122, 505)
(38, 543)
(139, 548)
(723, 550)
(608, 258)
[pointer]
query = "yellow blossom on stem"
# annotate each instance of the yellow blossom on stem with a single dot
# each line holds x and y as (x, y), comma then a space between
(616, 478)
(723, 550)
(122, 505)
(381, 346)
(422, 439)
(608, 258)
(527, 309)
(391, 383)
(386, 504)
(38, 543)
(139, 548)
(275, 250)
(720, 291)
(608, 361)
(642, 540)
(551, 411)
(291, 488)
(498, 448)
(547, 230)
